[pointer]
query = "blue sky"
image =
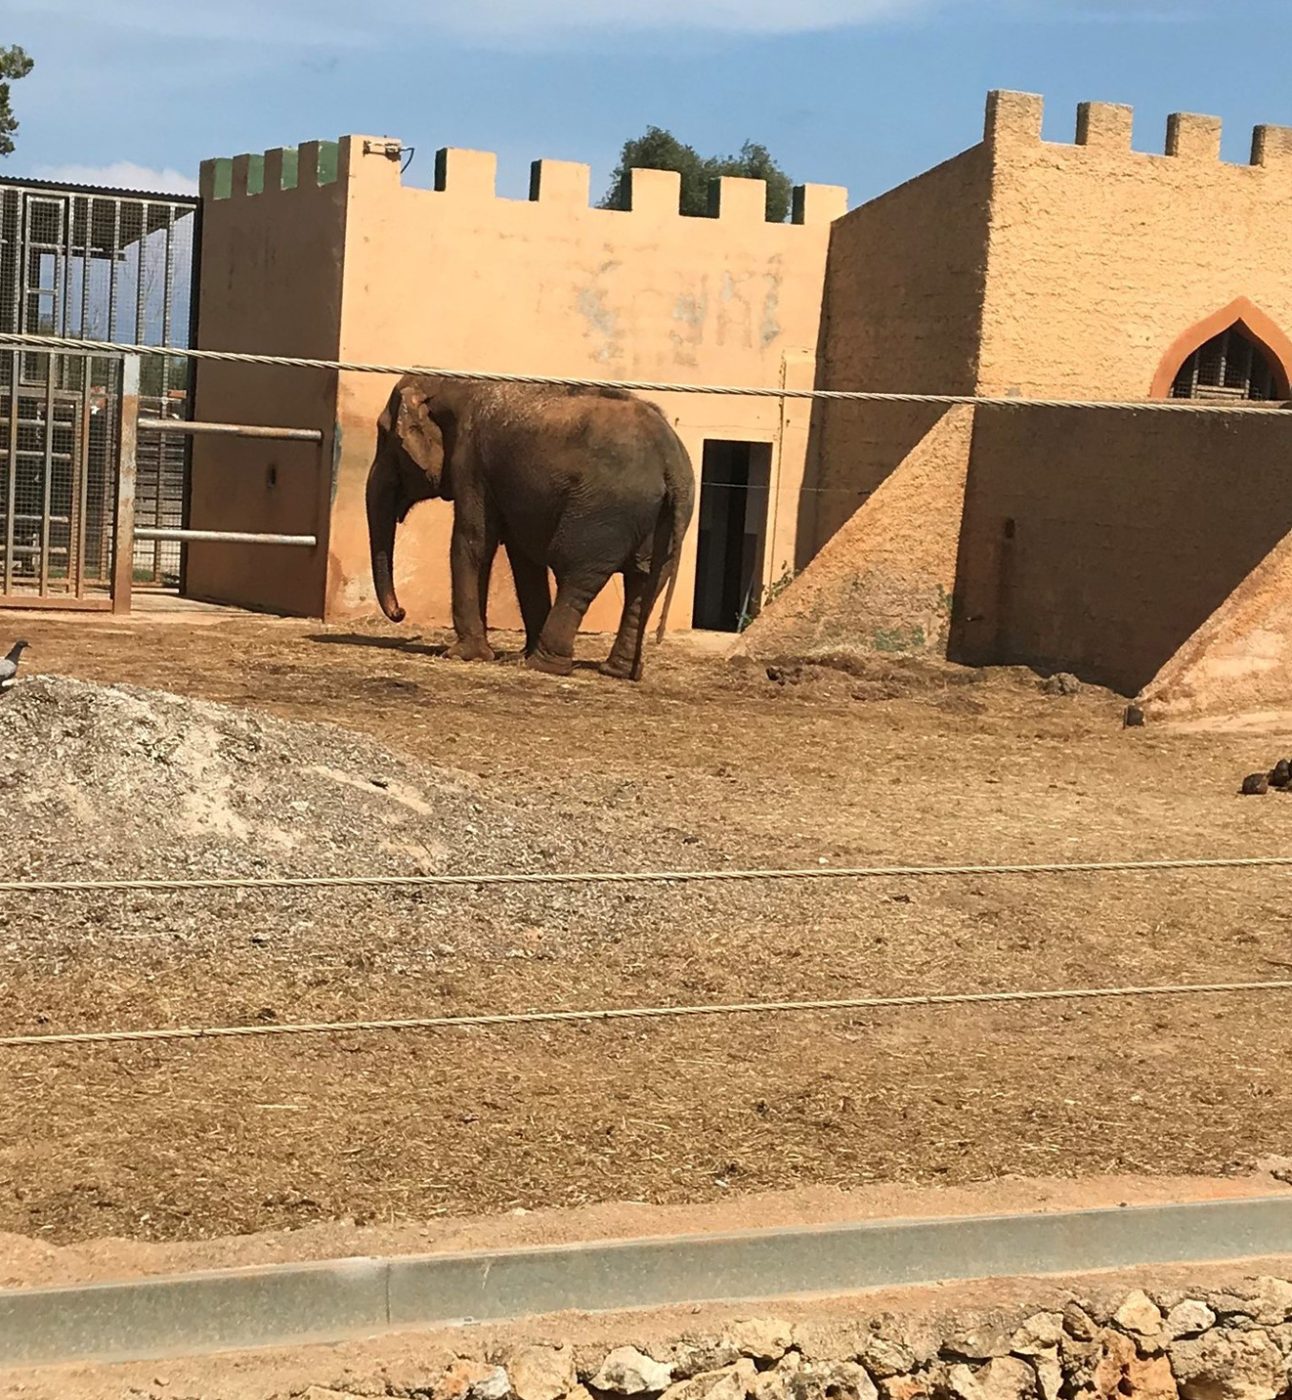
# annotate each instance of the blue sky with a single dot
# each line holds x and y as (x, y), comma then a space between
(858, 92)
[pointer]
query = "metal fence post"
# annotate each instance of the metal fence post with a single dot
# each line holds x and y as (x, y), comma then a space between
(123, 562)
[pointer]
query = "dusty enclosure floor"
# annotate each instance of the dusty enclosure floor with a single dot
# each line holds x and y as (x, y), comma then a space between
(703, 763)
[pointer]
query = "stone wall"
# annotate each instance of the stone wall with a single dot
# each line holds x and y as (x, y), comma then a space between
(1170, 1344)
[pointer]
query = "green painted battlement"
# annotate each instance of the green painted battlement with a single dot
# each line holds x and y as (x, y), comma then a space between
(283, 168)
(471, 175)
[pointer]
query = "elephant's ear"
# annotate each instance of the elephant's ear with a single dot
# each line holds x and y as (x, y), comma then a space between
(418, 433)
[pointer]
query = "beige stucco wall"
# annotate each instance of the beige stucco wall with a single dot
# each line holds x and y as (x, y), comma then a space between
(904, 297)
(1240, 659)
(1129, 531)
(271, 279)
(350, 264)
(1019, 267)
(1101, 256)
(884, 581)
(458, 277)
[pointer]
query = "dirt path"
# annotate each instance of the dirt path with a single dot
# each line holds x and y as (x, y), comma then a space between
(703, 762)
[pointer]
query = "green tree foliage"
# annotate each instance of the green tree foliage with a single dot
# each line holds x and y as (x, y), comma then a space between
(14, 64)
(658, 149)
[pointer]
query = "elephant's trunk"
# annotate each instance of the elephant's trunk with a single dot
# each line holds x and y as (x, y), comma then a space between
(382, 511)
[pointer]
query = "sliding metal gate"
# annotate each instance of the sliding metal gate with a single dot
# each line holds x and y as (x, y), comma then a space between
(103, 265)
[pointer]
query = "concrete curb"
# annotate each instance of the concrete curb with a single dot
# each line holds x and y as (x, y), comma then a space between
(296, 1304)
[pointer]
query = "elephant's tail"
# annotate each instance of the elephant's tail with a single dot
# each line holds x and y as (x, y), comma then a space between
(675, 514)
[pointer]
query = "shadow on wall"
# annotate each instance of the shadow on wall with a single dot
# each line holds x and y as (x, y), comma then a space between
(1098, 541)
(853, 448)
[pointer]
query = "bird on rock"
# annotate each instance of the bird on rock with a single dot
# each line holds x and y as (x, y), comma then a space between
(9, 666)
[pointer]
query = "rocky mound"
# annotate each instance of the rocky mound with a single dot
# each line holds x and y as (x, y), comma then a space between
(116, 781)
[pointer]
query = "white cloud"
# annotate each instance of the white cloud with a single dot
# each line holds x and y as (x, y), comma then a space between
(300, 24)
(340, 25)
(121, 174)
(331, 23)
(485, 17)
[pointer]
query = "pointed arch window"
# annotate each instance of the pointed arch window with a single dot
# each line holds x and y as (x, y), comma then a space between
(1230, 367)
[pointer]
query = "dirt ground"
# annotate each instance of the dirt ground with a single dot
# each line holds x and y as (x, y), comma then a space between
(703, 762)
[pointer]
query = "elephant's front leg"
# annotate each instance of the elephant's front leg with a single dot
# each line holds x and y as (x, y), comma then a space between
(475, 542)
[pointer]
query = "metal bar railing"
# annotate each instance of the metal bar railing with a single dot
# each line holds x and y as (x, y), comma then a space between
(129, 533)
(127, 428)
(163, 532)
(243, 430)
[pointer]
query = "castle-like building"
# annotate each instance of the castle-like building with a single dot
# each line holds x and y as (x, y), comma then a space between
(1100, 540)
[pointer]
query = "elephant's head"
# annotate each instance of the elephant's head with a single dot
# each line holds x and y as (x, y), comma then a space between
(409, 465)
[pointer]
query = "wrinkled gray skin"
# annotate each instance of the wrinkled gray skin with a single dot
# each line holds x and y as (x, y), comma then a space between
(584, 482)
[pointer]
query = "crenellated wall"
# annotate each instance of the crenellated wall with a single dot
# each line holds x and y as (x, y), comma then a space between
(456, 276)
(273, 242)
(1021, 267)
(459, 277)
(1101, 257)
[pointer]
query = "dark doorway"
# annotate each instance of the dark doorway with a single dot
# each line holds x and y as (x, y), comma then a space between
(734, 485)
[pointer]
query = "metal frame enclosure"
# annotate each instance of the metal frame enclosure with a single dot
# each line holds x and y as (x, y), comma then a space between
(99, 264)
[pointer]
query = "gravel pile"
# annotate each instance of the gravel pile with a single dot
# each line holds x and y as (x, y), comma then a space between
(109, 781)
(115, 782)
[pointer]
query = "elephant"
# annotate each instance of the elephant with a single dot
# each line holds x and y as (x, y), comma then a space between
(586, 482)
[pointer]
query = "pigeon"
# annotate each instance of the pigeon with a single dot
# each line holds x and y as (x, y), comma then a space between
(9, 666)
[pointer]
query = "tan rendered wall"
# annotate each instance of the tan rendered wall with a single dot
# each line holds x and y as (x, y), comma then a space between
(1240, 659)
(884, 581)
(1130, 530)
(270, 284)
(1101, 257)
(461, 278)
(903, 297)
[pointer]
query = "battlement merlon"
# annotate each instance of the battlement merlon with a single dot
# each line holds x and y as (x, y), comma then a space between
(1107, 125)
(1272, 145)
(311, 164)
(472, 175)
(1192, 137)
(1014, 119)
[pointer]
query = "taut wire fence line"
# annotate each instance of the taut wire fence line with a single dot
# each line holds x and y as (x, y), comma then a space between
(638, 877)
(487, 1020)
(642, 386)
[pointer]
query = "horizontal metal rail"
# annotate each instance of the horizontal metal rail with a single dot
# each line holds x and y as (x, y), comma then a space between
(149, 532)
(244, 430)
(54, 602)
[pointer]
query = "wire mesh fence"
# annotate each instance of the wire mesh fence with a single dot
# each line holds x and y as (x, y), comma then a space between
(57, 475)
(89, 263)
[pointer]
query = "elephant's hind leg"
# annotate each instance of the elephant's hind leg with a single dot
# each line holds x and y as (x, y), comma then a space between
(625, 659)
(643, 583)
(554, 653)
